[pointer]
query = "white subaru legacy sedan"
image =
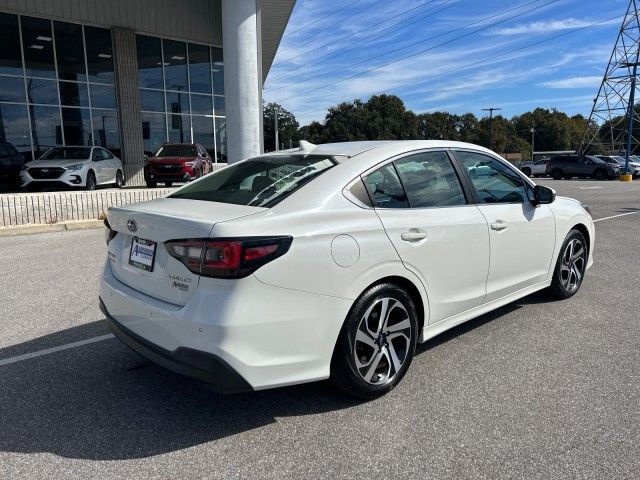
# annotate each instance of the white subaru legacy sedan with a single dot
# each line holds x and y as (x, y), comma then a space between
(333, 261)
(85, 167)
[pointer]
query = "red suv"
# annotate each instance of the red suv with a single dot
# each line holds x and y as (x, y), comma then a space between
(176, 162)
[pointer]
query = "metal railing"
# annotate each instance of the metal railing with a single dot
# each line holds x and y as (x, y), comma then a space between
(54, 207)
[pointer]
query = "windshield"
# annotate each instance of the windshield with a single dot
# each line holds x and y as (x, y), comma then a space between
(67, 153)
(258, 182)
(176, 151)
(596, 159)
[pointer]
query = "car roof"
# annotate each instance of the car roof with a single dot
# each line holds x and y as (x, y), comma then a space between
(351, 149)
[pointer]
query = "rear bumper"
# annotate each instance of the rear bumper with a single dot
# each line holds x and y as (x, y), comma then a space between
(269, 336)
(202, 367)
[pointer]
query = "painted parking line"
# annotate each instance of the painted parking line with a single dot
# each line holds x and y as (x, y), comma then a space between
(615, 216)
(60, 348)
(589, 188)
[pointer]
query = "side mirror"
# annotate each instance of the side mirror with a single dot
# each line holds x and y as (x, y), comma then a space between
(543, 195)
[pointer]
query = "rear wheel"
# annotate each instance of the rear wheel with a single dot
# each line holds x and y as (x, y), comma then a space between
(570, 267)
(168, 184)
(151, 184)
(526, 171)
(377, 342)
(91, 181)
(557, 174)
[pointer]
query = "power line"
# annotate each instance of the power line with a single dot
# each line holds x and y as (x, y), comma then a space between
(421, 51)
(480, 62)
(413, 44)
(362, 10)
(339, 39)
(321, 18)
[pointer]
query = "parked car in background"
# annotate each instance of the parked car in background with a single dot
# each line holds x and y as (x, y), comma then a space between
(634, 165)
(535, 169)
(176, 162)
(85, 167)
(581, 166)
(11, 162)
(333, 261)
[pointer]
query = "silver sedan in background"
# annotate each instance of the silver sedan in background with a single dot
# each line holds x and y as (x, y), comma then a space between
(85, 167)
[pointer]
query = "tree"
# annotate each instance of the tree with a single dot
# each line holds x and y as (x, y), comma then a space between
(287, 127)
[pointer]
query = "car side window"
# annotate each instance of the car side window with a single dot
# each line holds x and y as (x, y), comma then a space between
(430, 180)
(385, 188)
(106, 154)
(493, 181)
(96, 156)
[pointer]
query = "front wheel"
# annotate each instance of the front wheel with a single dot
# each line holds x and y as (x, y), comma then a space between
(91, 181)
(119, 179)
(168, 184)
(526, 171)
(376, 344)
(557, 174)
(570, 267)
(600, 174)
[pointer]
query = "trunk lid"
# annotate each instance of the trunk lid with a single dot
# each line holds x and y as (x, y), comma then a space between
(158, 221)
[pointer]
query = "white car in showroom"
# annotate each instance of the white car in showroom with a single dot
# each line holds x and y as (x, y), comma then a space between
(333, 261)
(85, 167)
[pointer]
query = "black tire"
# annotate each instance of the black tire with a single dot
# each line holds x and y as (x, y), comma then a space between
(562, 286)
(350, 377)
(151, 184)
(599, 174)
(168, 184)
(526, 171)
(91, 181)
(119, 179)
(566, 176)
(557, 174)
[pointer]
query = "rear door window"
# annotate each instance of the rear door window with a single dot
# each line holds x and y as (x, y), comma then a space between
(259, 182)
(385, 188)
(430, 180)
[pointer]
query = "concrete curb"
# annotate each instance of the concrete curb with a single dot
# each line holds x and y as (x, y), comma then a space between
(47, 228)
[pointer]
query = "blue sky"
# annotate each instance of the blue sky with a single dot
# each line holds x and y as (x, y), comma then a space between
(326, 58)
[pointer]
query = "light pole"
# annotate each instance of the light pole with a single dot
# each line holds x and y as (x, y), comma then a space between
(533, 140)
(490, 110)
(275, 127)
(631, 112)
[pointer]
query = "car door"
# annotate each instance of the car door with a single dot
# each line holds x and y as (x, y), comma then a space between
(99, 166)
(522, 235)
(438, 234)
(111, 163)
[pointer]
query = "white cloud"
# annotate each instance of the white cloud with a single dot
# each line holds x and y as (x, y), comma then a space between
(548, 26)
(575, 82)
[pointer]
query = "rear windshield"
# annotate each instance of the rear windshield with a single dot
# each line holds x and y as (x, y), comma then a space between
(176, 151)
(258, 182)
(66, 153)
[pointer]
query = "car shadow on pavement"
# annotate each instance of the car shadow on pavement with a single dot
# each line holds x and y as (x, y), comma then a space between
(102, 401)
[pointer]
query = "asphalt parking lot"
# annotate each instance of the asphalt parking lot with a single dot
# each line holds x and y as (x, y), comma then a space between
(537, 389)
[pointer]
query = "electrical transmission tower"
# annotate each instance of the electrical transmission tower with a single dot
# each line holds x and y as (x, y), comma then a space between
(607, 127)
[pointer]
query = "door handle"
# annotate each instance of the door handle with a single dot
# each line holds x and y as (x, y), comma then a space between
(499, 225)
(414, 235)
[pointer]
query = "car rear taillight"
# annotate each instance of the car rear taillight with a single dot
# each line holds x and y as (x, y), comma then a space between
(109, 234)
(227, 257)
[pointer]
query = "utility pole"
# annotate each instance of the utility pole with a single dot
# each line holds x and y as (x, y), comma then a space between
(490, 110)
(630, 112)
(275, 127)
(533, 140)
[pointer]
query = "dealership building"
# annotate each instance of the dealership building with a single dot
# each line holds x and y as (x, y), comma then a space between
(130, 75)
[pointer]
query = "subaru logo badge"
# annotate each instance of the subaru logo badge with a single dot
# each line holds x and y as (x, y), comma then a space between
(45, 170)
(132, 225)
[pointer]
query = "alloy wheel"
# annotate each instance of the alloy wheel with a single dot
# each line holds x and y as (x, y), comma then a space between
(573, 265)
(383, 341)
